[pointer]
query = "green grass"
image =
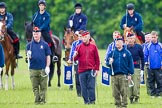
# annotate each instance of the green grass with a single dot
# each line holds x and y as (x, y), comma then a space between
(22, 96)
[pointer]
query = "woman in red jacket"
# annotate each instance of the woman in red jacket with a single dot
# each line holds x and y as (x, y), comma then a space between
(88, 65)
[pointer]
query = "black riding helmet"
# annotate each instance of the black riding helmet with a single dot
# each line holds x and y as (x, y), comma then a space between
(42, 2)
(130, 6)
(78, 6)
(3, 5)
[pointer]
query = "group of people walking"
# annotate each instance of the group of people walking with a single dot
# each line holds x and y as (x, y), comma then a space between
(128, 61)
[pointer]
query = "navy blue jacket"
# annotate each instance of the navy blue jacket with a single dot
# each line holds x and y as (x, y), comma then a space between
(138, 55)
(42, 21)
(9, 20)
(2, 59)
(153, 55)
(73, 48)
(40, 50)
(123, 61)
(135, 21)
(79, 21)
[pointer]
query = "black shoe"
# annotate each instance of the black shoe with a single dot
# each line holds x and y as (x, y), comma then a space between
(55, 58)
(131, 100)
(92, 102)
(136, 100)
(18, 56)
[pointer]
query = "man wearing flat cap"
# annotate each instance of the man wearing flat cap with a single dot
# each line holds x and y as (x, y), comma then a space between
(38, 53)
(121, 62)
(138, 60)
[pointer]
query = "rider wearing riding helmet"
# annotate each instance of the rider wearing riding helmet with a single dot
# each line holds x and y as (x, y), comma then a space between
(41, 19)
(78, 20)
(4, 15)
(132, 21)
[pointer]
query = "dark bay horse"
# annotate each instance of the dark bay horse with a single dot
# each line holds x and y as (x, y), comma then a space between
(10, 59)
(58, 52)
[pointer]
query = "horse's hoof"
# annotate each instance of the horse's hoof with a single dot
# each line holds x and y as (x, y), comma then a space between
(58, 85)
(49, 84)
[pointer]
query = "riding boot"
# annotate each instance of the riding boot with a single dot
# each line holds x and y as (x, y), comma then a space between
(17, 49)
(55, 58)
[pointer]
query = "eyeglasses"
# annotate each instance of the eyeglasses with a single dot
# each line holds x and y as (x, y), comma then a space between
(36, 30)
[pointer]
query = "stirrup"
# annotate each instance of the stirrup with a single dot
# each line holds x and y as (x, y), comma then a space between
(55, 58)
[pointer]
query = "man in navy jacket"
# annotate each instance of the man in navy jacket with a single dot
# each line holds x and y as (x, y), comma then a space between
(132, 21)
(9, 26)
(78, 20)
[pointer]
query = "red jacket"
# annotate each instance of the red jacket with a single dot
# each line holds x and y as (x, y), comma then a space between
(88, 57)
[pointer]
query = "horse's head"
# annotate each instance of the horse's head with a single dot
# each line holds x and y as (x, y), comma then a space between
(69, 37)
(28, 30)
(2, 29)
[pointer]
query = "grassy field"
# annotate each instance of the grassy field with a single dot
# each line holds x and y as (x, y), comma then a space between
(22, 96)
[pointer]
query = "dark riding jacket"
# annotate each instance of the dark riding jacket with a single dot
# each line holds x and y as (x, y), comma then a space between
(42, 21)
(135, 21)
(9, 20)
(79, 21)
(2, 56)
(123, 61)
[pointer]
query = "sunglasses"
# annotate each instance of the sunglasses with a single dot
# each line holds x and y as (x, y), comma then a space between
(36, 30)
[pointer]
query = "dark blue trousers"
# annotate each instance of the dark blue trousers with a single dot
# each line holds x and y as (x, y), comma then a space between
(87, 82)
(155, 81)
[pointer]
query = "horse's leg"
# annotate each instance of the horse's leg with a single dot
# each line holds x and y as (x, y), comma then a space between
(6, 75)
(1, 82)
(51, 73)
(59, 71)
(12, 74)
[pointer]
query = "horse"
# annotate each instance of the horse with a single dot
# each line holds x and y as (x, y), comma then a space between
(138, 38)
(69, 38)
(57, 51)
(10, 58)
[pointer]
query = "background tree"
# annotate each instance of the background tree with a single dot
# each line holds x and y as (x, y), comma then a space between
(103, 15)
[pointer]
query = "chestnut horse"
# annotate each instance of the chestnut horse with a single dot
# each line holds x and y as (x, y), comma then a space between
(138, 38)
(57, 51)
(10, 59)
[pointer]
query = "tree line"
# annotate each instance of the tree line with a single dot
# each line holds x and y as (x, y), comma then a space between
(103, 15)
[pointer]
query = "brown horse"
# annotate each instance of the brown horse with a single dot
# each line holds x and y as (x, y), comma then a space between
(10, 59)
(57, 51)
(69, 38)
(138, 38)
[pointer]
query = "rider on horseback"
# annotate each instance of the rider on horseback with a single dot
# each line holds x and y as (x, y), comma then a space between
(78, 20)
(41, 19)
(9, 23)
(132, 21)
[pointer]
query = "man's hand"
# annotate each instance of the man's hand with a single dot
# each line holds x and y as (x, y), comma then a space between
(129, 77)
(77, 32)
(0, 69)
(111, 60)
(124, 26)
(47, 70)
(75, 54)
(29, 53)
(69, 62)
